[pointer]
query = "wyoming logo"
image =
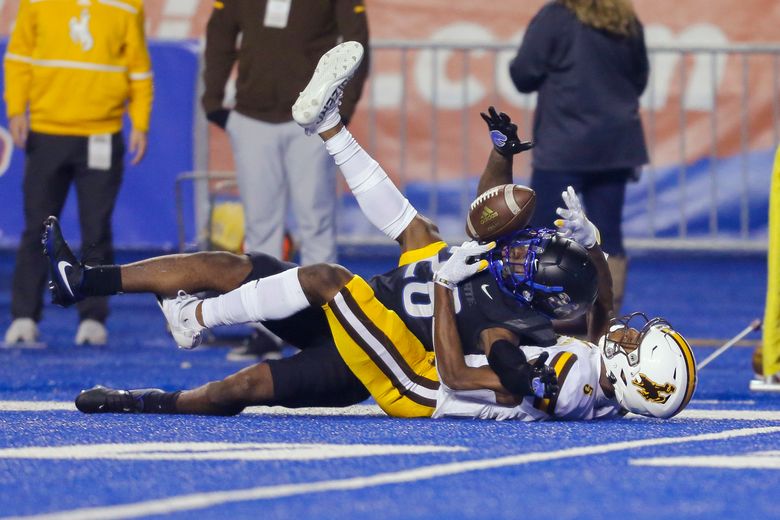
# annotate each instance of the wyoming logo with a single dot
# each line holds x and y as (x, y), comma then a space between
(651, 390)
(79, 31)
(487, 215)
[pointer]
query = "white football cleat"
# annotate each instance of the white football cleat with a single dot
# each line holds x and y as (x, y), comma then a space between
(179, 312)
(321, 98)
(22, 330)
(91, 332)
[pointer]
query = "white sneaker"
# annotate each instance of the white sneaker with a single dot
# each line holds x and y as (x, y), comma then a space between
(22, 330)
(180, 314)
(91, 332)
(322, 96)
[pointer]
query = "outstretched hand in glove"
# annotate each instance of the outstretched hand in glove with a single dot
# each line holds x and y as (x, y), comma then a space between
(464, 263)
(574, 224)
(503, 133)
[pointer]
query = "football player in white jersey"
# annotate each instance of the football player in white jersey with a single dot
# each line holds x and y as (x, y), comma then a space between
(648, 371)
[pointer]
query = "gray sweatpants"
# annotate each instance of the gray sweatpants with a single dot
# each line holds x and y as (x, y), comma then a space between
(277, 165)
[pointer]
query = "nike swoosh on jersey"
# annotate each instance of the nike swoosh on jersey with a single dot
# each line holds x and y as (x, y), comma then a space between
(61, 266)
(484, 287)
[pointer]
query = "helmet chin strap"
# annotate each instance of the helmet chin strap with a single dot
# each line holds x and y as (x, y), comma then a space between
(605, 381)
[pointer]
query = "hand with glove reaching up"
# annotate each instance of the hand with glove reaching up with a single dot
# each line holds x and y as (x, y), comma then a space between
(503, 133)
(574, 224)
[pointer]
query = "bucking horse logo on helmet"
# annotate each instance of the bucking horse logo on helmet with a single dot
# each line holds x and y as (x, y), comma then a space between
(652, 391)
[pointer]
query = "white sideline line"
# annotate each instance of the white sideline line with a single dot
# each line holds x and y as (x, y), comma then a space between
(68, 406)
(747, 461)
(719, 401)
(734, 415)
(364, 410)
(36, 406)
(197, 501)
(717, 415)
(356, 409)
(219, 451)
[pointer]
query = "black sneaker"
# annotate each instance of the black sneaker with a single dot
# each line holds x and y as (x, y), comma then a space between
(66, 271)
(260, 346)
(100, 399)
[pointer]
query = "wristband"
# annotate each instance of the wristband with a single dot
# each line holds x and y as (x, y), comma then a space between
(443, 282)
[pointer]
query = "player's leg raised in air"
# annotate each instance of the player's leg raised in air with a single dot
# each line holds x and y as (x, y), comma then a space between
(317, 111)
(164, 276)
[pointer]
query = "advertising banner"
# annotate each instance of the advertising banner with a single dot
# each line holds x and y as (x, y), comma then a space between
(711, 118)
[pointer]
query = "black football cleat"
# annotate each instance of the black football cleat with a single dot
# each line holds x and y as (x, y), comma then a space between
(66, 271)
(100, 399)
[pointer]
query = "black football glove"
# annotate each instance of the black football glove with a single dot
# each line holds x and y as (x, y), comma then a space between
(544, 381)
(219, 117)
(520, 377)
(503, 133)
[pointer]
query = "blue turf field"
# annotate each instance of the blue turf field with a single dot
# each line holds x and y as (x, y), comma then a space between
(719, 460)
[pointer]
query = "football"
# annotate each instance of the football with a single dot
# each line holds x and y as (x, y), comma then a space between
(499, 211)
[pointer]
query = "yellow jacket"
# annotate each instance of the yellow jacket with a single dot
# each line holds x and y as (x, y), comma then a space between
(77, 63)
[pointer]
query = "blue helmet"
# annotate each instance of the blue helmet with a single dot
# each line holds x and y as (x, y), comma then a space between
(555, 276)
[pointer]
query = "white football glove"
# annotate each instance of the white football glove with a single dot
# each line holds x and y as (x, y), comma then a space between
(457, 267)
(574, 224)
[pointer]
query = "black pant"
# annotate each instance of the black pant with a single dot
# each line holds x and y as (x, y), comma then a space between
(603, 193)
(53, 163)
(315, 376)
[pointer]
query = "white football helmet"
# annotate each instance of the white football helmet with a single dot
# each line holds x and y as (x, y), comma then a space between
(652, 369)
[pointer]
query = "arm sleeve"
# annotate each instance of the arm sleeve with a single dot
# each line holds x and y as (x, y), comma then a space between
(139, 67)
(353, 26)
(529, 67)
(221, 54)
(17, 62)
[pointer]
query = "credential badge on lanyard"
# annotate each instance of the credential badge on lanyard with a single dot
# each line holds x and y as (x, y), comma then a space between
(277, 13)
(99, 152)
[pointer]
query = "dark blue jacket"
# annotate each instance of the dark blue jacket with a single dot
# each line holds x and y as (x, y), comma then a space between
(589, 83)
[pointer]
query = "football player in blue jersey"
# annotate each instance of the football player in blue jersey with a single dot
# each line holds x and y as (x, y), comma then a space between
(373, 324)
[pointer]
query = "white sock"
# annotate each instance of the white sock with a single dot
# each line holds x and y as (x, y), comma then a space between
(272, 298)
(381, 201)
(329, 122)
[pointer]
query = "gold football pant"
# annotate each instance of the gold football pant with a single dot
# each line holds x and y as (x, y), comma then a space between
(382, 352)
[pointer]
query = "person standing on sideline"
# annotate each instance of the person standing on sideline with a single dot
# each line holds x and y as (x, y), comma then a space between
(72, 69)
(588, 62)
(275, 45)
(277, 165)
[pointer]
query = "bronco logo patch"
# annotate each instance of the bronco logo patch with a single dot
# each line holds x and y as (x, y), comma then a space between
(651, 390)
